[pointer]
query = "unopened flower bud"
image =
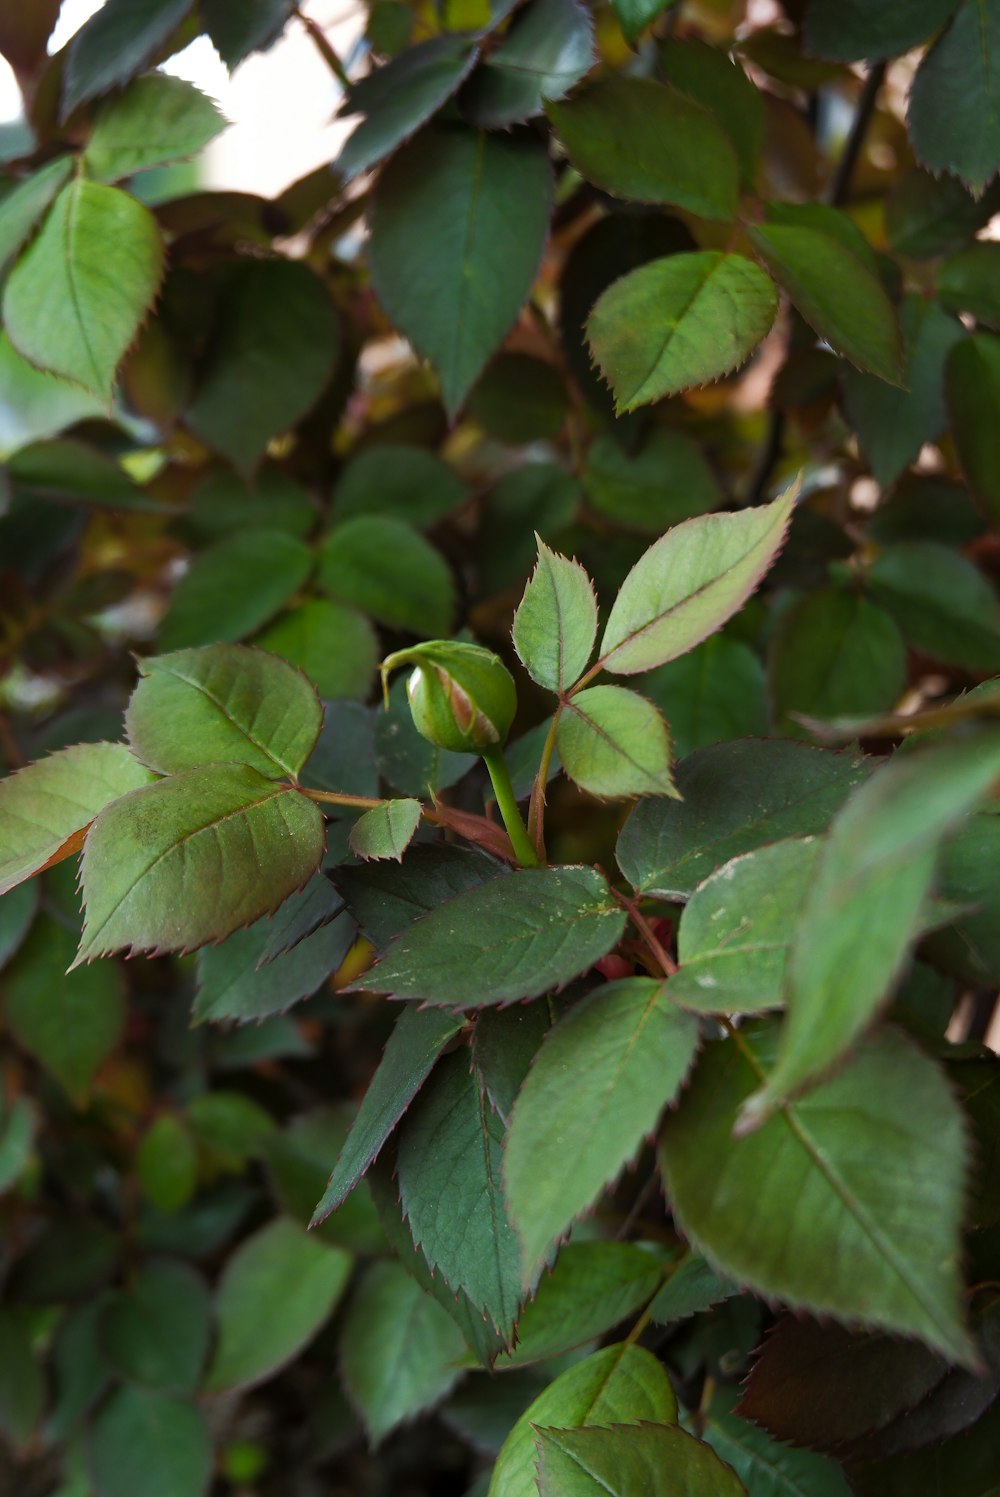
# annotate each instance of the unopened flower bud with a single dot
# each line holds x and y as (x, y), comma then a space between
(462, 696)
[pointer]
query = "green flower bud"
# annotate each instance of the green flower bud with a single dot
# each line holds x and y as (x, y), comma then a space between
(462, 696)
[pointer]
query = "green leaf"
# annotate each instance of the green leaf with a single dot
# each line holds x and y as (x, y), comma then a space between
(714, 693)
(405, 758)
(400, 1352)
(836, 292)
(592, 1288)
(655, 1460)
(614, 742)
(273, 353)
(385, 899)
(567, 1141)
(806, 1178)
(399, 97)
(766, 1468)
(167, 1163)
(737, 927)
(972, 388)
(334, 646)
(548, 47)
(679, 322)
(535, 496)
(47, 806)
(149, 1442)
(962, 1466)
(866, 902)
(398, 479)
(954, 105)
(18, 908)
(927, 216)
(893, 423)
(240, 980)
(235, 586)
(968, 282)
(635, 15)
(180, 863)
(613, 132)
(620, 1384)
(34, 405)
(276, 1291)
(556, 621)
(75, 300)
(520, 400)
(734, 797)
(505, 1041)
(385, 568)
(24, 206)
(448, 1165)
(70, 1024)
(225, 502)
(693, 1286)
(515, 937)
(224, 702)
(22, 1387)
(413, 1047)
(689, 583)
(667, 480)
(717, 82)
(156, 1332)
(386, 830)
(854, 30)
(238, 30)
(942, 602)
(115, 44)
(834, 654)
(67, 469)
(457, 227)
(970, 947)
(157, 119)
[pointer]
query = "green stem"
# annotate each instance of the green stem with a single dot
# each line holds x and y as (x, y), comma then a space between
(334, 798)
(507, 805)
(536, 807)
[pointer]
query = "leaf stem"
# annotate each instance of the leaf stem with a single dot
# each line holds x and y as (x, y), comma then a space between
(536, 806)
(335, 798)
(648, 934)
(323, 47)
(507, 806)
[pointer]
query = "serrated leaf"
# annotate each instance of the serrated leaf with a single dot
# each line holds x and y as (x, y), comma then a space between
(548, 47)
(385, 900)
(457, 228)
(399, 97)
(734, 797)
(635, 1049)
(156, 1332)
(70, 1024)
(836, 292)
(679, 322)
(400, 1352)
(717, 82)
(47, 806)
(75, 300)
(954, 104)
(693, 1286)
(238, 30)
(514, 937)
(115, 44)
(927, 216)
(854, 30)
(412, 1048)
(806, 1178)
(689, 583)
(893, 423)
(556, 621)
(23, 207)
(150, 1442)
(866, 902)
(234, 587)
(834, 653)
(972, 389)
(179, 863)
(386, 830)
(942, 602)
(505, 1041)
(653, 1460)
(737, 927)
(240, 980)
(274, 351)
(614, 742)
(222, 703)
(765, 1468)
(448, 1164)
(386, 569)
(275, 1293)
(156, 120)
(613, 132)
(620, 1384)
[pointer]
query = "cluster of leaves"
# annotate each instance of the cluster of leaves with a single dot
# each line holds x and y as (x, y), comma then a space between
(611, 1115)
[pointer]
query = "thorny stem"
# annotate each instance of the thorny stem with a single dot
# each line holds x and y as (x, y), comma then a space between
(334, 798)
(507, 806)
(656, 948)
(323, 47)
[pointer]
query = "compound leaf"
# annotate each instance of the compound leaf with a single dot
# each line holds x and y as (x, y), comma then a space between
(556, 621)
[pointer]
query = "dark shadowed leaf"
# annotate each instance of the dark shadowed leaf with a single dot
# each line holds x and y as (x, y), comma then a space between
(715, 692)
(972, 387)
(115, 44)
(150, 1442)
(548, 47)
(954, 105)
(834, 654)
(235, 586)
(385, 568)
(334, 646)
(156, 1332)
(941, 601)
(853, 30)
